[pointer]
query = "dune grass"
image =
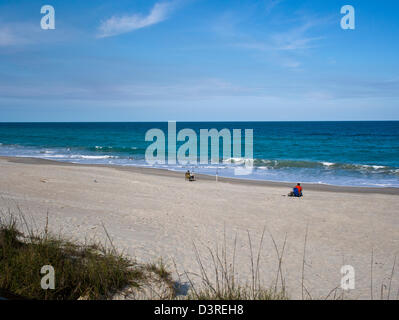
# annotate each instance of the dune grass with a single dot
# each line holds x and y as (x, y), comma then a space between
(222, 283)
(82, 271)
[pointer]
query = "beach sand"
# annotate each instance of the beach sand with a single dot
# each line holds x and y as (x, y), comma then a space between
(152, 214)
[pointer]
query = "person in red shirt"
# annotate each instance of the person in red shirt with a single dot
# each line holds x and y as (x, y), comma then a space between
(298, 186)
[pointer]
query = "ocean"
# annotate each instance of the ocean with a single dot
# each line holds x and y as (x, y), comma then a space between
(362, 153)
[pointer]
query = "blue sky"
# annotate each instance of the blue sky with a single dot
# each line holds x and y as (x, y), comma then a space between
(203, 60)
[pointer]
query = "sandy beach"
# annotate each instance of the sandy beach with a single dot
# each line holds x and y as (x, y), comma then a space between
(152, 214)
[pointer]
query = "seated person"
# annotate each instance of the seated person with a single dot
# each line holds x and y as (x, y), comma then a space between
(187, 175)
(192, 177)
(297, 191)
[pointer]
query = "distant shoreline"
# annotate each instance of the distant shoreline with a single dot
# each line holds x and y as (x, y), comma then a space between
(195, 121)
(179, 175)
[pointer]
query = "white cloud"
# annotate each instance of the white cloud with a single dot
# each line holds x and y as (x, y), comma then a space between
(117, 25)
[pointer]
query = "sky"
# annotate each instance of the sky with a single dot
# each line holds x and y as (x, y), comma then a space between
(199, 60)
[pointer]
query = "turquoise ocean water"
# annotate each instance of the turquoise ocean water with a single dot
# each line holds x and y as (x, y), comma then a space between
(337, 153)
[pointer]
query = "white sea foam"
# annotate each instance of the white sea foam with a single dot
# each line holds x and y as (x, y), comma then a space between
(56, 156)
(93, 157)
(76, 156)
(234, 160)
(378, 167)
(328, 164)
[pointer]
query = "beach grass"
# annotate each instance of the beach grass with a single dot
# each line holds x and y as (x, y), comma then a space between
(82, 271)
(223, 282)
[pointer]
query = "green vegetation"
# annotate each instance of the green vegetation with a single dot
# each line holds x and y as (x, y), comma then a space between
(88, 271)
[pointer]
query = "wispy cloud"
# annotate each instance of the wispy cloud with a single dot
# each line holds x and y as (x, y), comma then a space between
(294, 39)
(286, 38)
(288, 45)
(15, 34)
(210, 89)
(23, 34)
(6, 37)
(118, 25)
(190, 89)
(297, 38)
(271, 4)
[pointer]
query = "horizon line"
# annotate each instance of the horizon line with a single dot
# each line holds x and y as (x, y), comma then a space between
(198, 121)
